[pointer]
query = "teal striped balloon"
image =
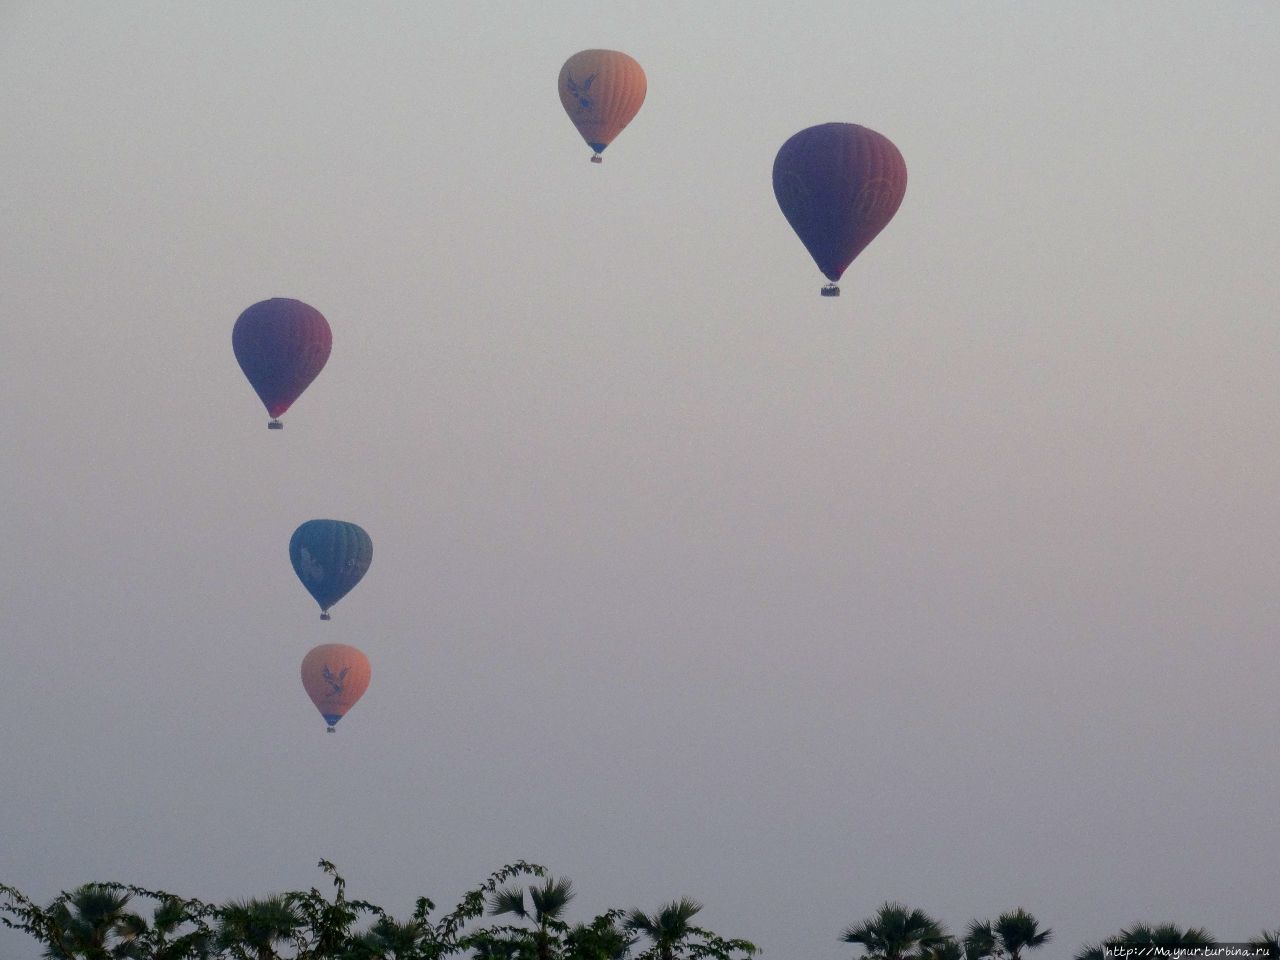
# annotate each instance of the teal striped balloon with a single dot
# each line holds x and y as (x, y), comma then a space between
(330, 557)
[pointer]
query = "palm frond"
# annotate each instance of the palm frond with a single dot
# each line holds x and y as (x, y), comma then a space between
(551, 898)
(508, 900)
(1018, 931)
(1268, 944)
(895, 931)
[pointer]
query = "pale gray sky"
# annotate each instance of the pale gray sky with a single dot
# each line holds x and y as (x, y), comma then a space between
(958, 590)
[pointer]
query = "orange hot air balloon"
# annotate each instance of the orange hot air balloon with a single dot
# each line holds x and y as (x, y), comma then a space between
(601, 91)
(335, 676)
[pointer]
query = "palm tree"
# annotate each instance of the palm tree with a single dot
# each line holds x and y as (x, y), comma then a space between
(549, 900)
(1018, 931)
(602, 939)
(946, 949)
(91, 923)
(667, 929)
(980, 942)
(1268, 943)
(1145, 935)
(1166, 935)
(896, 933)
(486, 947)
(389, 939)
(252, 929)
(166, 938)
(1008, 936)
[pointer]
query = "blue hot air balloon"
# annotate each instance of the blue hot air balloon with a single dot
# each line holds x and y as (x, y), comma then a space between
(330, 557)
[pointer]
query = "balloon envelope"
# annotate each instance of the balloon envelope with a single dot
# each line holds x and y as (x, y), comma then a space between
(838, 185)
(330, 557)
(335, 676)
(281, 345)
(601, 91)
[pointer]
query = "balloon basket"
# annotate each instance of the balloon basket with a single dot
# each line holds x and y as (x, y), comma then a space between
(596, 158)
(325, 616)
(328, 729)
(831, 290)
(274, 425)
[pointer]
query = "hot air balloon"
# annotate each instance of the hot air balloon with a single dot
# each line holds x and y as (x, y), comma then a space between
(335, 676)
(838, 184)
(281, 345)
(601, 91)
(330, 557)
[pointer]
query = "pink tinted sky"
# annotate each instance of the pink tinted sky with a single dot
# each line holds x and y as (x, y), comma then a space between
(959, 590)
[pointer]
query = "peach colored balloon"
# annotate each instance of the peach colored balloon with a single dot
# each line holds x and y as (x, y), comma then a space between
(601, 91)
(335, 676)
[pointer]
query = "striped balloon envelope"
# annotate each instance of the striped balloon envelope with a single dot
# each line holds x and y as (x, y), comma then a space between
(335, 676)
(330, 557)
(838, 185)
(281, 345)
(602, 91)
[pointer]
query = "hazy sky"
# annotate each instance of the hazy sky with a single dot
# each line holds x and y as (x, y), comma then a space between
(959, 590)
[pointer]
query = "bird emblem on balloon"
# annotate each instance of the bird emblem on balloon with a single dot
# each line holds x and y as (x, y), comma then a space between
(335, 683)
(581, 91)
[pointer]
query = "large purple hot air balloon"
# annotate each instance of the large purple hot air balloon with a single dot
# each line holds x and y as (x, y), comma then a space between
(281, 345)
(838, 184)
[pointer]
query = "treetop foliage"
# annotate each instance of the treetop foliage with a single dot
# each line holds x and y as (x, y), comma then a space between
(115, 921)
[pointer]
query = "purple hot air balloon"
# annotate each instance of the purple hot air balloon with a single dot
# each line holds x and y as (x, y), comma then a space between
(838, 184)
(281, 345)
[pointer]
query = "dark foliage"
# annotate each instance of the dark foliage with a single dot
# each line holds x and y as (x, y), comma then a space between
(108, 921)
